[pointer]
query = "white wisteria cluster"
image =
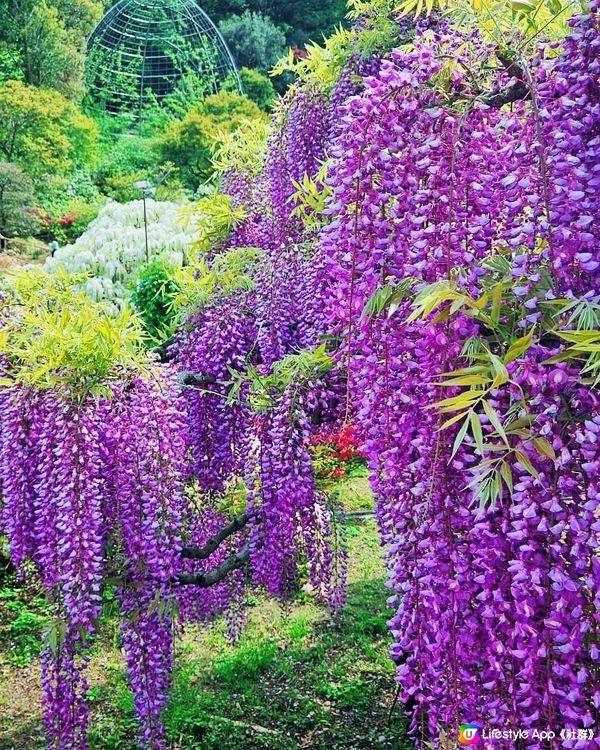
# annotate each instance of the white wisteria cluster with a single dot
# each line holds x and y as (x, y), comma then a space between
(113, 248)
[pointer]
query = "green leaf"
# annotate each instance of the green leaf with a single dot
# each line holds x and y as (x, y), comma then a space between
(495, 420)
(464, 380)
(465, 371)
(521, 423)
(579, 337)
(501, 373)
(451, 421)
(456, 403)
(460, 436)
(390, 296)
(477, 431)
(56, 636)
(497, 293)
(506, 475)
(519, 347)
(544, 448)
(523, 459)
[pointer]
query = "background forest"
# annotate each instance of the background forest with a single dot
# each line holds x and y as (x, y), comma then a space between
(61, 155)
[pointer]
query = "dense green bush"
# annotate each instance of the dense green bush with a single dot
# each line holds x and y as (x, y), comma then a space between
(43, 42)
(17, 202)
(152, 297)
(188, 143)
(43, 132)
(256, 86)
(125, 158)
(301, 20)
(254, 40)
(75, 218)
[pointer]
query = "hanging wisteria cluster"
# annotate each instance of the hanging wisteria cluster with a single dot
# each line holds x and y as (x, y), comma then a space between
(84, 480)
(481, 436)
(455, 266)
(116, 244)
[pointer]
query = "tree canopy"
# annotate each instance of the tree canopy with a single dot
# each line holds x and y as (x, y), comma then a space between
(42, 131)
(43, 43)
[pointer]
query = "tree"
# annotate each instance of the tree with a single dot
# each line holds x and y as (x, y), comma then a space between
(51, 61)
(42, 131)
(17, 201)
(188, 143)
(300, 20)
(44, 43)
(306, 19)
(11, 64)
(256, 86)
(254, 40)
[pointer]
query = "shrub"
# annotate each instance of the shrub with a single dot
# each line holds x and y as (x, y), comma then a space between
(74, 220)
(255, 41)
(152, 296)
(188, 143)
(43, 132)
(125, 159)
(17, 202)
(256, 86)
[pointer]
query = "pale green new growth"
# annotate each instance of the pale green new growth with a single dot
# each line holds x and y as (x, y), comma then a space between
(53, 334)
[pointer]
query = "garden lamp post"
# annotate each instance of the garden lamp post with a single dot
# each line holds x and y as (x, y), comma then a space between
(147, 191)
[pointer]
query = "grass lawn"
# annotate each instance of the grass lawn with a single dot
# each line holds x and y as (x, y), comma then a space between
(296, 680)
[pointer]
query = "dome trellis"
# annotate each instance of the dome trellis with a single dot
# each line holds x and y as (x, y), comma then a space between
(145, 50)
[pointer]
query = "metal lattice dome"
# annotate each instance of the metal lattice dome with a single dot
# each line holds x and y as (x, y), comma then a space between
(145, 50)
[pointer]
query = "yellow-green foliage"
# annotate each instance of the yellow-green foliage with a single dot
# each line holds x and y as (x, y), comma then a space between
(243, 149)
(310, 198)
(213, 218)
(324, 63)
(203, 281)
(42, 131)
(53, 334)
(188, 143)
(512, 24)
(516, 23)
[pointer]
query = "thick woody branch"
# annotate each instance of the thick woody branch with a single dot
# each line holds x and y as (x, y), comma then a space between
(204, 580)
(193, 378)
(201, 553)
(515, 92)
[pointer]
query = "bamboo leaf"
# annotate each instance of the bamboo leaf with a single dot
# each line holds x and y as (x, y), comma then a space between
(501, 373)
(477, 431)
(460, 436)
(578, 337)
(518, 424)
(544, 447)
(442, 316)
(497, 292)
(523, 459)
(464, 380)
(520, 346)
(465, 371)
(456, 305)
(462, 401)
(451, 421)
(506, 475)
(495, 420)
(562, 357)
(481, 302)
